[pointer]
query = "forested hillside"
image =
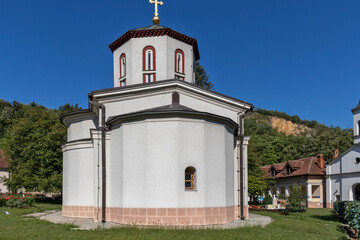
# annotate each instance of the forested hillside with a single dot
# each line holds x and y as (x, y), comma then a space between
(270, 144)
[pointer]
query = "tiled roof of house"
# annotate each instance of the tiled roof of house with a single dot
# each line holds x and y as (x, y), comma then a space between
(4, 161)
(300, 167)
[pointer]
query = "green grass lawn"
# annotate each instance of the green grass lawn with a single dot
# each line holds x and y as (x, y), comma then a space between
(314, 224)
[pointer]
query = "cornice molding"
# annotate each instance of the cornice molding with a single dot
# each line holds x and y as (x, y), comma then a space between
(166, 84)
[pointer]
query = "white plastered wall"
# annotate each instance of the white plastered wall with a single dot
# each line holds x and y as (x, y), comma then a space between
(3, 188)
(342, 175)
(78, 189)
(356, 126)
(165, 48)
(140, 102)
(148, 170)
(79, 127)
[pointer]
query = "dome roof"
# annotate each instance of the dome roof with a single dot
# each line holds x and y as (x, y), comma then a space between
(155, 31)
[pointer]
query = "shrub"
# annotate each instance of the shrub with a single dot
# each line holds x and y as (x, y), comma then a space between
(339, 207)
(16, 200)
(268, 199)
(282, 197)
(16, 203)
(352, 215)
(295, 196)
(2, 201)
(349, 211)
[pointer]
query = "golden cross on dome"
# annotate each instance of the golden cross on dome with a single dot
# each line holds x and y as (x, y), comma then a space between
(156, 19)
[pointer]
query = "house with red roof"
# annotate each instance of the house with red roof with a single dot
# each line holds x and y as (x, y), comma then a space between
(309, 173)
(4, 170)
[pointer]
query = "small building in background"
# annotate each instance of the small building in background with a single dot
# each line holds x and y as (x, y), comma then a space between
(309, 173)
(4, 170)
(343, 173)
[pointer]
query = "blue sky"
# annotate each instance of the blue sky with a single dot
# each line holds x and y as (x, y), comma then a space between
(297, 56)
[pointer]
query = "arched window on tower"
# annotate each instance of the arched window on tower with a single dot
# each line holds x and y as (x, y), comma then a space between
(358, 130)
(179, 64)
(123, 70)
(190, 178)
(149, 64)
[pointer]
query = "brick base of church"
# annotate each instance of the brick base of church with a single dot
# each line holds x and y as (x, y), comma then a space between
(159, 216)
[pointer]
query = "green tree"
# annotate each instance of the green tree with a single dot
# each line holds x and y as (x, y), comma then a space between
(256, 185)
(201, 78)
(296, 196)
(33, 142)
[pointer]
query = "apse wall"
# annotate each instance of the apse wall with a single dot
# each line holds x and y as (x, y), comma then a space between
(78, 177)
(147, 171)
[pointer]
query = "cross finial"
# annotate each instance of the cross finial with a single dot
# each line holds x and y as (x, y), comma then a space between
(156, 19)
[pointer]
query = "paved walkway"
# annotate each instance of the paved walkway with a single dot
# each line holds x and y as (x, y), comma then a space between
(88, 224)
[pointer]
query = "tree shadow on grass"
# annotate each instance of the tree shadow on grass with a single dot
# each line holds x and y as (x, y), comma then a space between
(331, 218)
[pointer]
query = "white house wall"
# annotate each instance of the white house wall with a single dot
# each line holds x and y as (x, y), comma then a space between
(342, 175)
(345, 164)
(356, 126)
(3, 188)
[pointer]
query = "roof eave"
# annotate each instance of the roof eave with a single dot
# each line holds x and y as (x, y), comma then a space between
(153, 33)
(116, 119)
(74, 113)
(355, 109)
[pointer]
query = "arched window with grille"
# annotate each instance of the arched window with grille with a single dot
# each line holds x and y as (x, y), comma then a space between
(122, 70)
(149, 64)
(179, 64)
(190, 178)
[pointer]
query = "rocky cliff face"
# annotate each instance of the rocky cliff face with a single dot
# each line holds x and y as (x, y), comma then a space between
(288, 127)
(282, 125)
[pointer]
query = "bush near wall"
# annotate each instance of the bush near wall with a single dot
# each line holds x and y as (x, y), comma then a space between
(350, 212)
(339, 207)
(16, 200)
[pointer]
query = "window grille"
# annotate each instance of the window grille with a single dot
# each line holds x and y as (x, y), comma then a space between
(190, 178)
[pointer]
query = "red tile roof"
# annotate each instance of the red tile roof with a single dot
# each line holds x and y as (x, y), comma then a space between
(300, 167)
(4, 161)
(155, 31)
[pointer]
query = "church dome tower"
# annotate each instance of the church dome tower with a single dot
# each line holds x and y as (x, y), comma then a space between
(356, 113)
(153, 53)
(156, 149)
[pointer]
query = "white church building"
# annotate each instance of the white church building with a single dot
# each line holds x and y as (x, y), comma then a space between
(155, 149)
(343, 173)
